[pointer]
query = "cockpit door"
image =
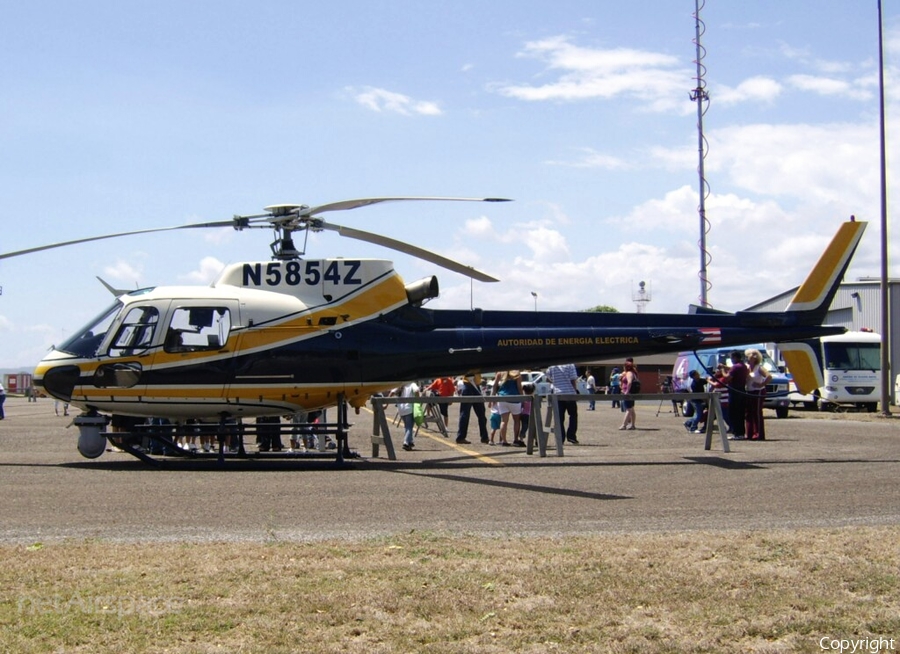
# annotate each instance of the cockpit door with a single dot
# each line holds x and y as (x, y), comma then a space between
(130, 350)
(193, 362)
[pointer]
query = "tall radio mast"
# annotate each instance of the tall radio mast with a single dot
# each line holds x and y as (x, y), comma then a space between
(701, 97)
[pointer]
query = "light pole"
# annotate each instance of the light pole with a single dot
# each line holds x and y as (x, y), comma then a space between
(534, 295)
(885, 296)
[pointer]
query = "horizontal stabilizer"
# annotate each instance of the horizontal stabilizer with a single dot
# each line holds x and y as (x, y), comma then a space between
(696, 309)
(112, 289)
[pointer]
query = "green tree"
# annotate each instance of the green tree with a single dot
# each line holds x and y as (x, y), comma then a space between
(602, 308)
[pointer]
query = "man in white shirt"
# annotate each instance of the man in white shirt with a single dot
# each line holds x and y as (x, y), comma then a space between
(405, 409)
(591, 387)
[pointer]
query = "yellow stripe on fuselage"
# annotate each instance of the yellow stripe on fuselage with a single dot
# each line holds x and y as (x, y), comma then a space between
(378, 299)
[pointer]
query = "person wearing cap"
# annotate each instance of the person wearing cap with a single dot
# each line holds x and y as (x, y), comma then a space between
(615, 385)
(564, 378)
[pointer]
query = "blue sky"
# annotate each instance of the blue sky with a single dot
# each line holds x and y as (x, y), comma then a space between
(124, 116)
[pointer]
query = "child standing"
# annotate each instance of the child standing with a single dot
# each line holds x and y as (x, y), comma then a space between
(495, 421)
(526, 415)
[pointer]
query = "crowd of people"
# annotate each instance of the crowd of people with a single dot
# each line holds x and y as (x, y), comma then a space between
(507, 416)
(507, 397)
(742, 386)
(743, 389)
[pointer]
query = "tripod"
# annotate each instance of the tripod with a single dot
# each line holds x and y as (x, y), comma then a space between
(666, 387)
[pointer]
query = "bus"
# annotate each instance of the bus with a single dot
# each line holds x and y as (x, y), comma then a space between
(851, 368)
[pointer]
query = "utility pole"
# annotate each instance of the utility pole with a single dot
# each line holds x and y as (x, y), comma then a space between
(885, 294)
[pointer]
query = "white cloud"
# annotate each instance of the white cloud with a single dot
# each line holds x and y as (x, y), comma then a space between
(829, 86)
(218, 236)
(590, 73)
(209, 270)
(813, 164)
(834, 67)
(382, 100)
(123, 271)
(547, 245)
(793, 52)
(662, 213)
(479, 228)
(590, 158)
(678, 212)
(754, 89)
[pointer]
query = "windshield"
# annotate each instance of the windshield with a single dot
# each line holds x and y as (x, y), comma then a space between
(852, 356)
(86, 340)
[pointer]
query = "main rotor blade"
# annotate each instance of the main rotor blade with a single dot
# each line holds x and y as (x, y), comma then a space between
(343, 205)
(220, 223)
(412, 250)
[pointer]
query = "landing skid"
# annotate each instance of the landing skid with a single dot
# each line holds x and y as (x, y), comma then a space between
(156, 443)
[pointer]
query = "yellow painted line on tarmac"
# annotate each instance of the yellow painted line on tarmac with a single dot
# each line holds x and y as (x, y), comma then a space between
(449, 442)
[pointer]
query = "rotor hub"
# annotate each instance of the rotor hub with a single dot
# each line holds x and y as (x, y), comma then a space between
(283, 210)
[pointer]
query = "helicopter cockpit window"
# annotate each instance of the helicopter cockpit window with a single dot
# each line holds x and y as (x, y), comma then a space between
(195, 329)
(87, 339)
(135, 335)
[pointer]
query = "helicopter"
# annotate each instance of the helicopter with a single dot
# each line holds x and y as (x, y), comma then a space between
(293, 334)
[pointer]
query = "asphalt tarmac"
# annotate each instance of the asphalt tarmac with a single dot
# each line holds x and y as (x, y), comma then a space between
(812, 471)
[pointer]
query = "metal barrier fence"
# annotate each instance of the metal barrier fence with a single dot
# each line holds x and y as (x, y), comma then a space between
(537, 427)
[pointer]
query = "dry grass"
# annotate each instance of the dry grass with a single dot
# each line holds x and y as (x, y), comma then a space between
(685, 592)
